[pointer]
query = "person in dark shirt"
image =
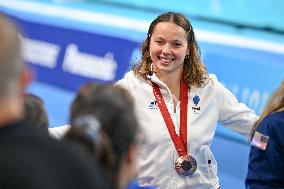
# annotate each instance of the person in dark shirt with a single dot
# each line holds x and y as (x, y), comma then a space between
(266, 158)
(27, 159)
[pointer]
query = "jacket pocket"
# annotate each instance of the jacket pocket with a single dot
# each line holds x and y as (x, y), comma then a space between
(211, 164)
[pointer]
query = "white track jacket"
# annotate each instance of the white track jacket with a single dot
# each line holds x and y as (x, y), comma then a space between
(206, 106)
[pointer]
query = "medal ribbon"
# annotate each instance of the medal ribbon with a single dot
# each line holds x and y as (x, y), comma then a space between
(180, 141)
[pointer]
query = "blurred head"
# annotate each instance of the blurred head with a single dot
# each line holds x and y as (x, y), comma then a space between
(35, 113)
(171, 45)
(274, 104)
(102, 118)
(14, 77)
(11, 62)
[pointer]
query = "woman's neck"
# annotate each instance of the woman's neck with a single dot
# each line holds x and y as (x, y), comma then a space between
(173, 83)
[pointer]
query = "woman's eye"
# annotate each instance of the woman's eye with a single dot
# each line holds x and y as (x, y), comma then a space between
(177, 45)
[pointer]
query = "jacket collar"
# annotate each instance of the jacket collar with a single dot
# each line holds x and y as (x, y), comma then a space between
(156, 80)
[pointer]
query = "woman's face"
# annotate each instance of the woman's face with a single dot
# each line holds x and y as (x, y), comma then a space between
(168, 48)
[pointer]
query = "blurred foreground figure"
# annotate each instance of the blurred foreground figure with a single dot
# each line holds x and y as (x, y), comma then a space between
(266, 159)
(27, 159)
(103, 123)
(35, 113)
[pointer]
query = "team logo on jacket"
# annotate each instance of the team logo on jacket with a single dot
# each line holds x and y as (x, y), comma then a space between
(153, 105)
(196, 108)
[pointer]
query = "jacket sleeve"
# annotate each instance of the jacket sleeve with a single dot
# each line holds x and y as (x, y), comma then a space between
(233, 114)
(58, 132)
(125, 81)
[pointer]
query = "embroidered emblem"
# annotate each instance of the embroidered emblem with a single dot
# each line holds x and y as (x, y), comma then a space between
(259, 140)
(196, 109)
(153, 105)
(196, 100)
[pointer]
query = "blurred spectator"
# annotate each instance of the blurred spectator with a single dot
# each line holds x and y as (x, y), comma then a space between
(35, 113)
(29, 160)
(266, 165)
(103, 121)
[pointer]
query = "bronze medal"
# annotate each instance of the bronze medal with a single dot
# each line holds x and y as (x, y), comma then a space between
(186, 165)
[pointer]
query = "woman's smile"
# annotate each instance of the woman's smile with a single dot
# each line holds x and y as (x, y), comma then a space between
(166, 60)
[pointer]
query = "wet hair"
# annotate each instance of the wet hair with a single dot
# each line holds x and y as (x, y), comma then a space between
(11, 62)
(194, 71)
(103, 120)
(274, 104)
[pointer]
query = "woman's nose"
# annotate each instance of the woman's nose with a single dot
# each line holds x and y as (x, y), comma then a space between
(166, 49)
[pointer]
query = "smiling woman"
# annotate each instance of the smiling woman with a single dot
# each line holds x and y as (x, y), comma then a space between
(176, 152)
(168, 48)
